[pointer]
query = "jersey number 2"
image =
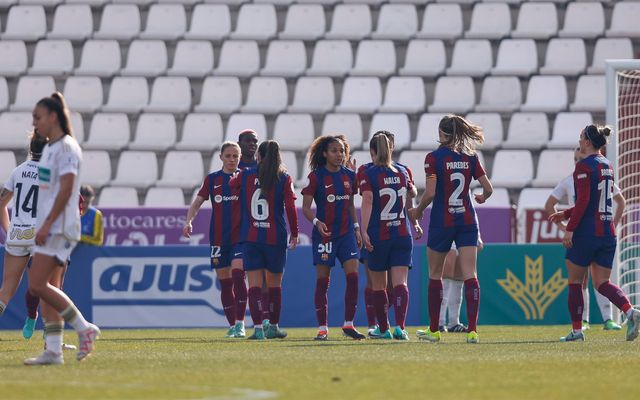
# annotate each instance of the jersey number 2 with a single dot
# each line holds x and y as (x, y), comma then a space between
(454, 199)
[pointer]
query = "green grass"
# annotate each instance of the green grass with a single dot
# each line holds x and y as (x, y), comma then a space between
(509, 363)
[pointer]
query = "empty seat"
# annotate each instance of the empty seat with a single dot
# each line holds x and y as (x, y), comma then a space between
(532, 198)
(13, 57)
(350, 21)
(96, 168)
(471, 57)
(583, 20)
(7, 165)
(77, 124)
(565, 57)
(15, 128)
(30, 90)
(454, 95)
(128, 95)
(304, 22)
(209, 22)
(220, 95)
(527, 131)
(193, 58)
(165, 22)
(396, 123)
(490, 21)
(201, 132)
(567, 128)
(155, 132)
(100, 58)
(146, 58)
(500, 94)
(441, 21)
(499, 198)
(405, 95)
(183, 169)
(314, 95)
(239, 58)
(119, 21)
(613, 48)
(396, 22)
(591, 94)
(25, 23)
(375, 58)
(138, 169)
(505, 175)
(290, 162)
(536, 21)
(424, 58)
(164, 197)
(239, 122)
(171, 95)
(118, 197)
(215, 164)
(83, 93)
(427, 133)
(52, 57)
(624, 20)
(553, 166)
(414, 160)
(4, 93)
(72, 21)
(266, 95)
(349, 125)
(360, 95)
(92, 3)
(516, 57)
(285, 58)
(491, 124)
(294, 131)
(546, 94)
(108, 132)
(256, 22)
(331, 58)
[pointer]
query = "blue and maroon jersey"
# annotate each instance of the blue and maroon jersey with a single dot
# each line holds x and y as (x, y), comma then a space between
(395, 164)
(224, 229)
(332, 193)
(454, 172)
(243, 165)
(263, 213)
(592, 214)
(388, 214)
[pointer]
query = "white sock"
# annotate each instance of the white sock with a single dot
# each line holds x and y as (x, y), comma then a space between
(323, 328)
(446, 288)
(455, 302)
(585, 310)
(240, 322)
(53, 337)
(605, 307)
(348, 323)
(630, 312)
(74, 317)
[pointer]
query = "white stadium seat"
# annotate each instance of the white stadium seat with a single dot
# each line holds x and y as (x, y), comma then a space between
(553, 166)
(77, 125)
(209, 22)
(108, 132)
(489, 21)
(536, 21)
(455, 94)
(119, 21)
(294, 131)
(505, 175)
(471, 57)
(566, 57)
(100, 58)
(193, 59)
(171, 95)
(4, 93)
(360, 95)
(396, 123)
(583, 20)
(516, 57)
(164, 197)
(52, 57)
(290, 162)
(546, 94)
(314, 95)
(183, 169)
(424, 58)
(239, 58)
(146, 58)
(609, 48)
(266, 95)
(491, 124)
(286, 58)
(532, 198)
(567, 128)
(441, 21)
(351, 22)
(500, 94)
(72, 22)
(256, 22)
(92, 3)
(396, 22)
(96, 168)
(427, 133)
(331, 58)
(46, 3)
(25, 23)
(138, 169)
(239, 122)
(220, 95)
(624, 20)
(165, 22)
(404, 94)
(375, 58)
(128, 95)
(13, 58)
(591, 94)
(304, 22)
(215, 164)
(30, 90)
(15, 128)
(349, 125)
(414, 160)
(83, 93)
(201, 132)
(118, 197)
(527, 131)
(7, 165)
(499, 198)
(155, 132)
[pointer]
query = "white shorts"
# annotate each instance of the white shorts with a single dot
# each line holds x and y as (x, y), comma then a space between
(19, 251)
(57, 246)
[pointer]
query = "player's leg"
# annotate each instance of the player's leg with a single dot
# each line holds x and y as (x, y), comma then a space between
(586, 301)
(454, 301)
(323, 273)
(32, 302)
(605, 310)
(350, 267)
(468, 256)
(239, 289)
(399, 278)
(226, 296)
(276, 258)
(368, 295)
(576, 275)
(380, 299)
(14, 266)
(254, 265)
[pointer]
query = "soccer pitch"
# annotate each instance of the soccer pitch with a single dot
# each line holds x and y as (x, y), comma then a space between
(509, 363)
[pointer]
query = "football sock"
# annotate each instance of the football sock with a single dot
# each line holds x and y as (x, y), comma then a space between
(322, 287)
(605, 307)
(576, 305)
(454, 302)
(401, 304)
(255, 305)
(351, 296)
(446, 285)
(240, 293)
(228, 302)
(381, 303)
(265, 305)
(53, 336)
(435, 301)
(275, 303)
(369, 307)
(472, 295)
(615, 295)
(32, 303)
(74, 317)
(586, 301)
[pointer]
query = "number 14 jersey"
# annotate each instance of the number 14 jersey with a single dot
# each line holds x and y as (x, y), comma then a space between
(23, 183)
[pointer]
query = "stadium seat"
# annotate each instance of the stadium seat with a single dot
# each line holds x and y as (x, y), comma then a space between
(26, 23)
(193, 59)
(13, 58)
(187, 3)
(609, 48)
(294, 131)
(165, 22)
(52, 57)
(201, 132)
(427, 132)
(404, 95)
(15, 128)
(209, 22)
(505, 175)
(286, 58)
(527, 131)
(396, 22)
(146, 58)
(414, 159)
(118, 197)
(7, 165)
(171, 95)
(77, 125)
(164, 197)
(48, 4)
(96, 168)
(83, 93)
(532, 198)
(499, 198)
(119, 21)
(304, 22)
(624, 20)
(424, 58)
(454, 94)
(360, 95)
(491, 124)
(489, 21)
(215, 163)
(441, 21)
(396, 123)
(4, 93)
(290, 162)
(92, 3)
(141, 3)
(183, 169)
(349, 125)
(128, 95)
(331, 58)
(72, 22)
(323, 2)
(516, 57)
(553, 166)
(30, 90)
(266, 96)
(591, 94)
(100, 58)
(536, 21)
(239, 58)
(239, 122)
(361, 156)
(567, 128)
(220, 95)
(108, 132)
(314, 95)
(565, 57)
(256, 22)
(138, 169)
(500, 94)
(375, 58)
(546, 94)
(471, 57)
(156, 132)
(351, 22)
(583, 20)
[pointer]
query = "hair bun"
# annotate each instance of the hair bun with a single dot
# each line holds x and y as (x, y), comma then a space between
(605, 131)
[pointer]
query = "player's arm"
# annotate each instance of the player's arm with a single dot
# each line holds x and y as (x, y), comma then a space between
(427, 197)
(5, 198)
(292, 215)
(621, 203)
(487, 189)
(356, 225)
(59, 204)
(414, 222)
(365, 213)
(307, 198)
(191, 214)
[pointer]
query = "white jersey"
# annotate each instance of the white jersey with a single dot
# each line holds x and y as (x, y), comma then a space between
(566, 190)
(23, 183)
(60, 158)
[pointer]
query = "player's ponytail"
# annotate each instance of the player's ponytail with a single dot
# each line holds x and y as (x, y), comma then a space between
(36, 145)
(460, 135)
(56, 103)
(270, 166)
(597, 135)
(381, 147)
